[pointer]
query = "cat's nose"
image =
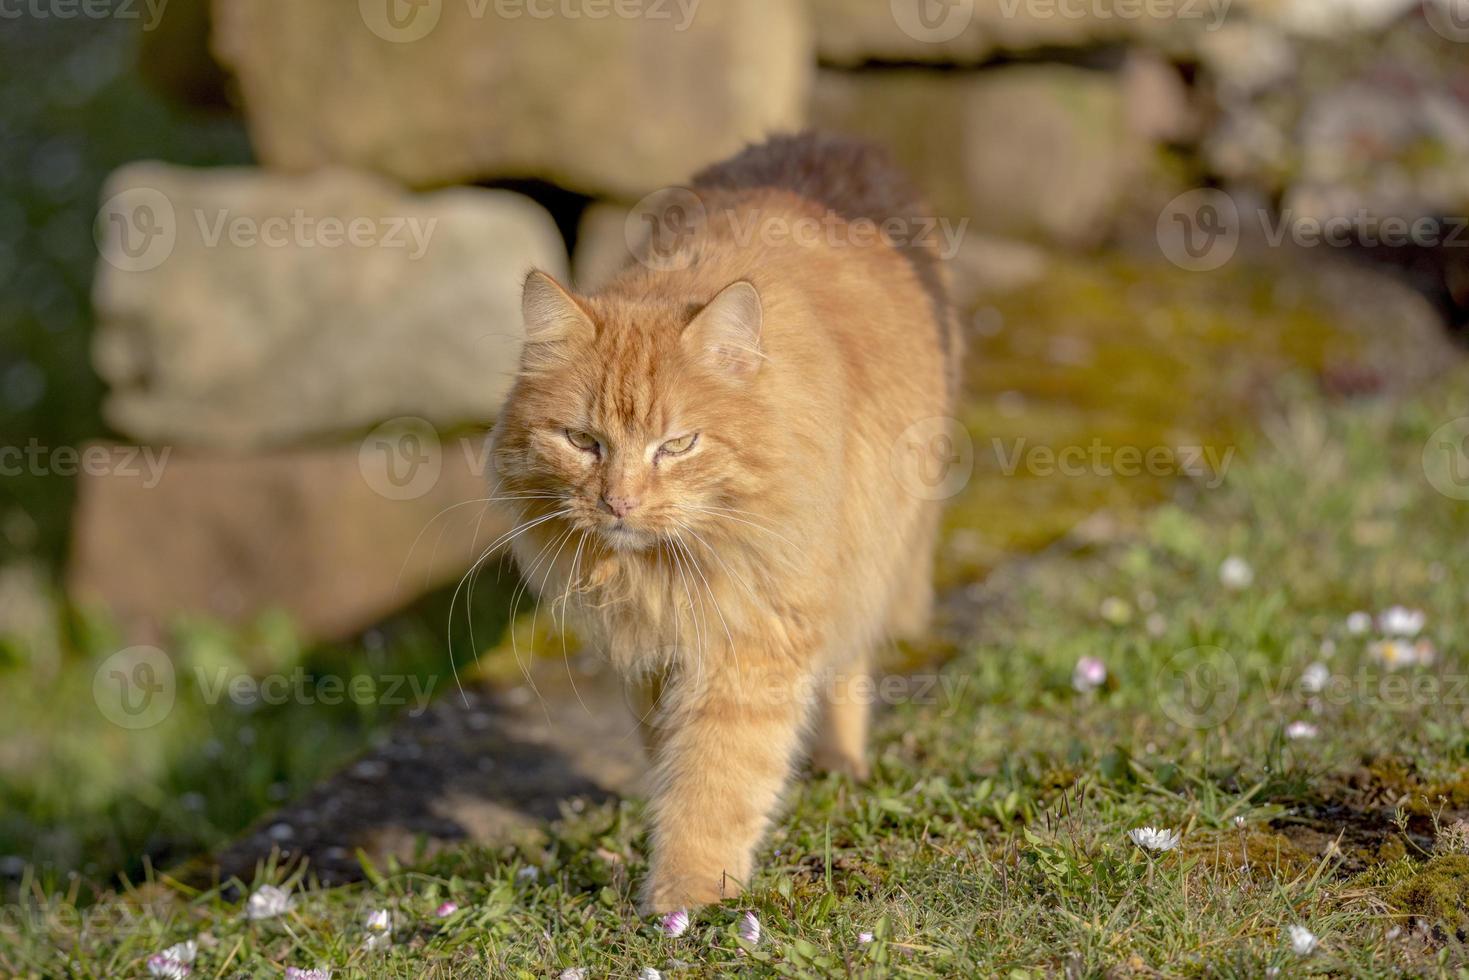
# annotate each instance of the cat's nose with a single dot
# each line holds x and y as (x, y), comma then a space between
(620, 505)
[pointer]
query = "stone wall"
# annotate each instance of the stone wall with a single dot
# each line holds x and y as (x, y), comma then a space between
(265, 324)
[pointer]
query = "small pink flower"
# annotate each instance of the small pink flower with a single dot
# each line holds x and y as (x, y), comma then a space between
(864, 938)
(446, 910)
(319, 973)
(1089, 674)
(749, 928)
(675, 924)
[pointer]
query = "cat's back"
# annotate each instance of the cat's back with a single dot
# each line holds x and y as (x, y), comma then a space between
(831, 221)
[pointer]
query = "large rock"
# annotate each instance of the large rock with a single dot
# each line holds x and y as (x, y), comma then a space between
(338, 538)
(243, 309)
(853, 32)
(616, 98)
(1366, 129)
(1042, 152)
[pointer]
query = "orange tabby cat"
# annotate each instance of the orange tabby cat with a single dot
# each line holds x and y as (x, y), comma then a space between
(711, 458)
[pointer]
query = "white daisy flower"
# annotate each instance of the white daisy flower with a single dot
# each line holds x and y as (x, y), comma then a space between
(1359, 622)
(319, 973)
(1315, 678)
(1235, 573)
(1401, 621)
(573, 973)
(378, 920)
(1088, 675)
(864, 938)
(749, 928)
(267, 902)
(1396, 653)
(675, 924)
(1298, 730)
(1155, 838)
(648, 973)
(163, 965)
(1302, 940)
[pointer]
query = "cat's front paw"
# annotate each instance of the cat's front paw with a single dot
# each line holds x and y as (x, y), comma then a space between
(668, 892)
(854, 767)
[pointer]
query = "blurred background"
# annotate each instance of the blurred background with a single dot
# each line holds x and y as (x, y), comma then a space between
(259, 269)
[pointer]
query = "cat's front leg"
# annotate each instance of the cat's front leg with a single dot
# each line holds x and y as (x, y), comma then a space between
(726, 749)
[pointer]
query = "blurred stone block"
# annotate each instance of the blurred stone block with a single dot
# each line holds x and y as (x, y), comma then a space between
(338, 537)
(968, 32)
(601, 245)
(606, 98)
(1031, 151)
(242, 309)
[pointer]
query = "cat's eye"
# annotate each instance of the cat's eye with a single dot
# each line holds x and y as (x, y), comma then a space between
(584, 441)
(679, 446)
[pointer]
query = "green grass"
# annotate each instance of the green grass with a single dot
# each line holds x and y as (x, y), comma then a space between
(992, 838)
(83, 798)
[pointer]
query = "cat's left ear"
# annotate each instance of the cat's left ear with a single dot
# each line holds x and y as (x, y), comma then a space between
(725, 334)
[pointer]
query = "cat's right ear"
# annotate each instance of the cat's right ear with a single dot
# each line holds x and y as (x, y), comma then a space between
(553, 318)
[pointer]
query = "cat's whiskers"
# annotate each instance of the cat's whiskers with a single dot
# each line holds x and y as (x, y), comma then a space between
(716, 556)
(528, 576)
(722, 514)
(505, 538)
(493, 498)
(713, 600)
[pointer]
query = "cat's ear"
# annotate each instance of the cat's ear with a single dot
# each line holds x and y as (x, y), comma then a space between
(552, 316)
(725, 334)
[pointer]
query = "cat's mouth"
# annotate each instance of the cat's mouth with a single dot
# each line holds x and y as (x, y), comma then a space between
(624, 538)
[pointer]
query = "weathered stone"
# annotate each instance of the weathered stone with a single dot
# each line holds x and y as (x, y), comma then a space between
(971, 31)
(337, 537)
(1365, 129)
(601, 245)
(1039, 152)
(242, 309)
(600, 97)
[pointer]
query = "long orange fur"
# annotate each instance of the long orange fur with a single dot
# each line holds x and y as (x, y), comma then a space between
(741, 585)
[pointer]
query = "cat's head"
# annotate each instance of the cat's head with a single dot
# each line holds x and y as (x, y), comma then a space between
(635, 416)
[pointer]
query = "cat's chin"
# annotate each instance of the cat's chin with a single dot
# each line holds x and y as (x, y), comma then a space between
(626, 539)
